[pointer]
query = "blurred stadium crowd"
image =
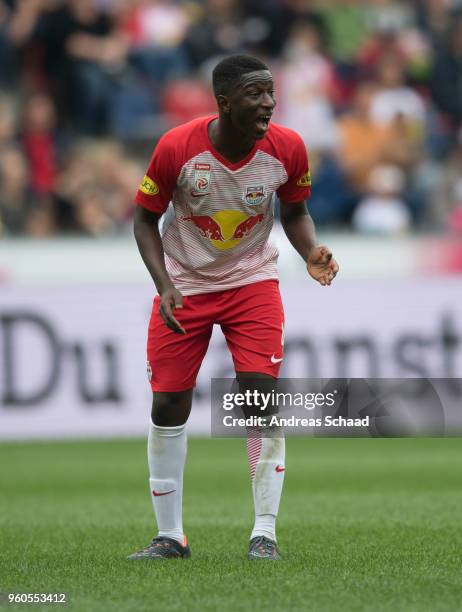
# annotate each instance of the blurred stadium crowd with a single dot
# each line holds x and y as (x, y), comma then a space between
(87, 86)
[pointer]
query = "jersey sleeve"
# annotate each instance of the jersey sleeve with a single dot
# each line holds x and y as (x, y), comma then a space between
(298, 184)
(156, 188)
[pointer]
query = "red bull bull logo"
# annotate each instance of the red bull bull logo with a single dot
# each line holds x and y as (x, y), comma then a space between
(226, 228)
(255, 195)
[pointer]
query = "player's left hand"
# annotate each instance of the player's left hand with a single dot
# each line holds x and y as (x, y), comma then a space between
(321, 265)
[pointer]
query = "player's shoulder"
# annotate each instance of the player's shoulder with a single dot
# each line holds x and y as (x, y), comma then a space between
(183, 142)
(186, 133)
(283, 143)
(283, 133)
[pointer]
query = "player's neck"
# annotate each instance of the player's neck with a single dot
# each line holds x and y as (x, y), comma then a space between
(223, 137)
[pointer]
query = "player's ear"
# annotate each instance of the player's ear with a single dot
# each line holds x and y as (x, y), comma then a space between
(223, 103)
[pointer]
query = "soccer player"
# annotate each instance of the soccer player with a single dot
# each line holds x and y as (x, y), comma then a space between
(214, 264)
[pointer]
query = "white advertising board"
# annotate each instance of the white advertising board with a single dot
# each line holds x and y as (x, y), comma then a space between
(72, 357)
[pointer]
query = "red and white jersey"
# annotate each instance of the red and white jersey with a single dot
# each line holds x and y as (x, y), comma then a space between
(215, 234)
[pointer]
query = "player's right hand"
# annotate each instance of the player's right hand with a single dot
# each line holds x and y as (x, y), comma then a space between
(169, 300)
(321, 265)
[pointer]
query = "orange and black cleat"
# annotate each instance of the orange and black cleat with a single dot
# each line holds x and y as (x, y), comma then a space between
(163, 548)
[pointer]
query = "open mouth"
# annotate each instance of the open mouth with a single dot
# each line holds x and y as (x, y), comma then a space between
(263, 121)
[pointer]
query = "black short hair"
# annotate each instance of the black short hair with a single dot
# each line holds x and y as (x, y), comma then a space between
(228, 72)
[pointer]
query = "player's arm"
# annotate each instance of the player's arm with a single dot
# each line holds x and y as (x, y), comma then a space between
(299, 229)
(152, 198)
(149, 241)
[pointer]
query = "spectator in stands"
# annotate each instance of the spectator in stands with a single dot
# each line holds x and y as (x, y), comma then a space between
(394, 32)
(363, 143)
(332, 200)
(185, 99)
(83, 55)
(346, 31)
(454, 220)
(268, 22)
(15, 197)
(8, 56)
(446, 202)
(94, 189)
(217, 32)
(394, 98)
(399, 107)
(113, 175)
(156, 32)
(383, 210)
(27, 173)
(388, 15)
(38, 138)
(7, 121)
(434, 18)
(446, 82)
(112, 66)
(305, 84)
(91, 215)
(41, 221)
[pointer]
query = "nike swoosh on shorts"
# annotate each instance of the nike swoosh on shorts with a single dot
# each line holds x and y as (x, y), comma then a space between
(276, 359)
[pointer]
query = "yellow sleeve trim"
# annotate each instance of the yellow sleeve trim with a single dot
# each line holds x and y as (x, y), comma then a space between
(305, 180)
(149, 187)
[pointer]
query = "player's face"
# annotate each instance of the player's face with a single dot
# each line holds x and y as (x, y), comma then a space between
(252, 103)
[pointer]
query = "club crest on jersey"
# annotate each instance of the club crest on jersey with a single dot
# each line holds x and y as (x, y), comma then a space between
(254, 195)
(201, 179)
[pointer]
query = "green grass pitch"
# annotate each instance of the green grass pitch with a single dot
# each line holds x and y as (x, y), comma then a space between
(365, 524)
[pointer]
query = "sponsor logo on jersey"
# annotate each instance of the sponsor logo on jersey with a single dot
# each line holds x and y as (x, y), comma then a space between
(201, 179)
(149, 187)
(254, 195)
(226, 228)
(305, 180)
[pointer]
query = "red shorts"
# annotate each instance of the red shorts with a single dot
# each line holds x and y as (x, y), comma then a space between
(251, 318)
